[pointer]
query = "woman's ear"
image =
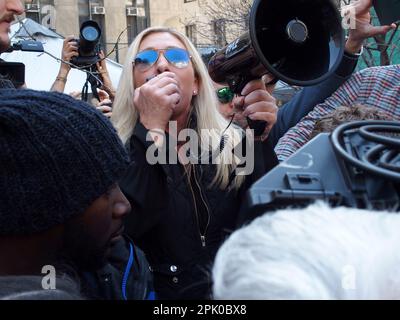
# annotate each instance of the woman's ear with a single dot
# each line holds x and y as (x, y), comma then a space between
(196, 86)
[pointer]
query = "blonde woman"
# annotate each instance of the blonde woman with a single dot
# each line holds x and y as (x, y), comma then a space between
(181, 211)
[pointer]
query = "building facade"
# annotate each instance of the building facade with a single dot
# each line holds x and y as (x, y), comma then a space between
(119, 20)
(203, 21)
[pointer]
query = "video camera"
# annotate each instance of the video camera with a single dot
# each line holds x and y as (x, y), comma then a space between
(88, 44)
(15, 71)
(357, 166)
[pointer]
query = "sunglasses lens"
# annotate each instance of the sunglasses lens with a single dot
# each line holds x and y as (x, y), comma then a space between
(146, 59)
(178, 57)
(225, 95)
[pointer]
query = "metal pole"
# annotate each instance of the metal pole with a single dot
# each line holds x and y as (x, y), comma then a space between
(117, 52)
(90, 9)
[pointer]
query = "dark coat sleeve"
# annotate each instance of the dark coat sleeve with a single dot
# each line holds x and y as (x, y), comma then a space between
(305, 100)
(144, 185)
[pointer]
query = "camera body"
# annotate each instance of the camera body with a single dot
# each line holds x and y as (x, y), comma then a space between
(13, 71)
(388, 11)
(88, 45)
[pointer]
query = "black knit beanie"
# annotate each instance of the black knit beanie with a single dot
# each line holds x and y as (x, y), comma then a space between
(57, 155)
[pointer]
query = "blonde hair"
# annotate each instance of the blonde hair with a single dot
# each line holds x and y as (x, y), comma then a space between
(204, 106)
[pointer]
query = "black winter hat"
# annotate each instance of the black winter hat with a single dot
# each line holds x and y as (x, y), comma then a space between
(57, 155)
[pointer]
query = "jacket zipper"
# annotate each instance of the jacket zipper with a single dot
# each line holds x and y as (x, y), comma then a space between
(202, 236)
(195, 207)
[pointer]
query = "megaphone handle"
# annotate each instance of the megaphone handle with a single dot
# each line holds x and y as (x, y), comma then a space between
(237, 84)
(257, 125)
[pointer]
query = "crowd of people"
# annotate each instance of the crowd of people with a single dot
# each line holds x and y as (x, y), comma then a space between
(80, 194)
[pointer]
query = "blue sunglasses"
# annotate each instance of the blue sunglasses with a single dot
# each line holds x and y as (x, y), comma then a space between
(178, 57)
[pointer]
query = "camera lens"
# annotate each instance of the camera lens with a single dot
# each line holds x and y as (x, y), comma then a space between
(90, 33)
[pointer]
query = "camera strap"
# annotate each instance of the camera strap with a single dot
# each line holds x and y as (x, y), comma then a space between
(94, 83)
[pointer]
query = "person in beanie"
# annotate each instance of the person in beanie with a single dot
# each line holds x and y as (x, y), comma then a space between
(60, 203)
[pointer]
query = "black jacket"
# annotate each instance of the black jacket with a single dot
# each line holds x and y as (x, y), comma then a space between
(126, 276)
(180, 224)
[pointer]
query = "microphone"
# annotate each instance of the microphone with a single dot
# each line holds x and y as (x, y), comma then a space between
(26, 45)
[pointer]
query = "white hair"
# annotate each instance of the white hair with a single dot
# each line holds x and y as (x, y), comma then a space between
(125, 116)
(313, 253)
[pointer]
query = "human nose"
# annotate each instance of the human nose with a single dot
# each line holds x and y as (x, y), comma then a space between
(122, 207)
(162, 63)
(15, 6)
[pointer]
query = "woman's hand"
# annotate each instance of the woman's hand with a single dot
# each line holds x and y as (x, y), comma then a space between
(257, 104)
(69, 50)
(76, 95)
(105, 107)
(105, 76)
(156, 99)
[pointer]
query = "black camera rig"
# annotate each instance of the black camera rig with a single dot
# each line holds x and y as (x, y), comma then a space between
(358, 166)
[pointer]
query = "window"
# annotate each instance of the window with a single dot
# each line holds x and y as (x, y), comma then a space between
(191, 33)
(33, 10)
(136, 17)
(84, 10)
(220, 32)
(41, 11)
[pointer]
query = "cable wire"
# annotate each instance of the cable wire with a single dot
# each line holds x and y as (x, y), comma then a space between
(383, 152)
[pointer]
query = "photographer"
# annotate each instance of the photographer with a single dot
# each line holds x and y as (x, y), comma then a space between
(70, 49)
